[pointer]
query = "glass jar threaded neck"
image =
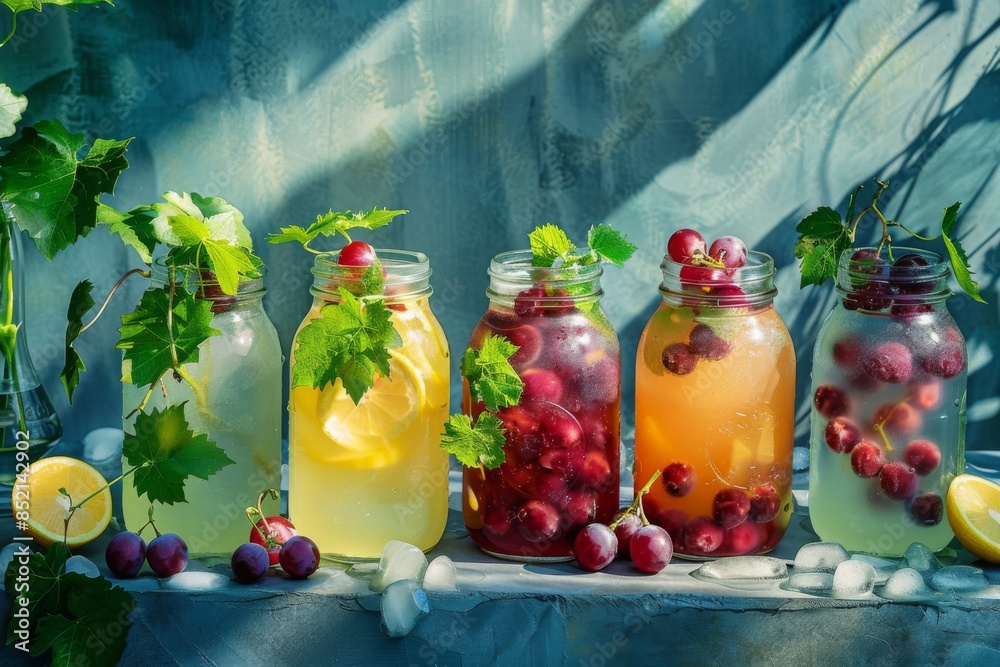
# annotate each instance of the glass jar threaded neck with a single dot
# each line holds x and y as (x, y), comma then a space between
(512, 274)
(407, 275)
(750, 286)
(204, 284)
(902, 280)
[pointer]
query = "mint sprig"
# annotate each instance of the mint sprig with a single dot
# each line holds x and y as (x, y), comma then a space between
(550, 246)
(350, 341)
(824, 236)
(493, 381)
(333, 223)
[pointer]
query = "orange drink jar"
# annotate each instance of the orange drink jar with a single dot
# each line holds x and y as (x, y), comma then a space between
(714, 409)
(362, 474)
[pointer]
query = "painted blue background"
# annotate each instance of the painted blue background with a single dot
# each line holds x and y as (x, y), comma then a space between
(485, 119)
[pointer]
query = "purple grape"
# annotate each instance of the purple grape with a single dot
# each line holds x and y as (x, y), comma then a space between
(651, 549)
(624, 531)
(684, 244)
(595, 547)
(167, 555)
(250, 562)
(730, 250)
(125, 555)
(299, 557)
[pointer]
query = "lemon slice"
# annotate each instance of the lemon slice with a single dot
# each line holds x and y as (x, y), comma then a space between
(48, 506)
(383, 413)
(974, 514)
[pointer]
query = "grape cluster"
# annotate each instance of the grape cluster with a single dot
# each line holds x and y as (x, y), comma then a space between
(709, 271)
(630, 535)
(167, 554)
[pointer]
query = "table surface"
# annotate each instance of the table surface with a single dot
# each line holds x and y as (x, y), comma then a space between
(513, 613)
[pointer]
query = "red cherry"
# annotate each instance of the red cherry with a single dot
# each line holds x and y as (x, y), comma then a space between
(356, 253)
(897, 480)
(830, 401)
(923, 456)
(678, 479)
(841, 435)
(890, 362)
(730, 507)
(276, 531)
(702, 535)
(764, 504)
(867, 459)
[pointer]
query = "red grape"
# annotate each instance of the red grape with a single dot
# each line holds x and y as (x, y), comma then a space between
(841, 435)
(250, 562)
(595, 547)
(651, 549)
(923, 456)
(730, 507)
(901, 419)
(743, 539)
(730, 250)
(299, 557)
(867, 459)
(541, 384)
(946, 361)
(678, 479)
(679, 358)
(890, 362)
(702, 535)
(125, 555)
(625, 530)
(706, 344)
(276, 531)
(673, 521)
(764, 504)
(897, 480)
(927, 509)
(538, 521)
(684, 244)
(167, 555)
(830, 401)
(356, 253)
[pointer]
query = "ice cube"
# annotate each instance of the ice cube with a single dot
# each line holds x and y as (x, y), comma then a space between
(800, 458)
(820, 557)
(195, 581)
(959, 579)
(883, 566)
(906, 584)
(922, 559)
(440, 576)
(810, 582)
(7, 555)
(853, 578)
(102, 444)
(743, 567)
(82, 565)
(403, 603)
(400, 560)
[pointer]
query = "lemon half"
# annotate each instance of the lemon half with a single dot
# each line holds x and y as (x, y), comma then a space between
(973, 507)
(47, 506)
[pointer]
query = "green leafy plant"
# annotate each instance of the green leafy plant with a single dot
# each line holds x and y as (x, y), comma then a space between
(350, 340)
(550, 246)
(824, 236)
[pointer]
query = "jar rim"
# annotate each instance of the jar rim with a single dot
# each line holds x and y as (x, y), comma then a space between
(248, 287)
(512, 271)
(853, 273)
(755, 280)
(407, 272)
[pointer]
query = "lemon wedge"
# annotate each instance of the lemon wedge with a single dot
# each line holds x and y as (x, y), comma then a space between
(973, 507)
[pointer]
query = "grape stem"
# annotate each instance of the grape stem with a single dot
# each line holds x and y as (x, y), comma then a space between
(74, 507)
(250, 511)
(636, 506)
(143, 272)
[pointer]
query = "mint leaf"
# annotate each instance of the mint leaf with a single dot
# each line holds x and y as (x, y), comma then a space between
(492, 379)
(79, 303)
(135, 228)
(956, 253)
(823, 239)
(549, 243)
(12, 105)
(373, 280)
(167, 452)
(472, 446)
(335, 223)
(55, 196)
(348, 342)
(146, 338)
(609, 244)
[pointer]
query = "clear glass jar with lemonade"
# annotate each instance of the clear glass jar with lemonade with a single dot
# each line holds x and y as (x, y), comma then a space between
(364, 470)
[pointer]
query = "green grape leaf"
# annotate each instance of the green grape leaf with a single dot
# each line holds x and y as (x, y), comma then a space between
(549, 243)
(54, 195)
(492, 379)
(134, 228)
(145, 336)
(348, 342)
(12, 105)
(335, 223)
(373, 280)
(79, 303)
(167, 452)
(823, 239)
(477, 445)
(229, 263)
(609, 245)
(47, 592)
(956, 253)
(221, 221)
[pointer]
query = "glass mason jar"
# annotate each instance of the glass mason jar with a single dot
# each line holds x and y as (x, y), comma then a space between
(362, 475)
(715, 410)
(561, 467)
(237, 403)
(888, 416)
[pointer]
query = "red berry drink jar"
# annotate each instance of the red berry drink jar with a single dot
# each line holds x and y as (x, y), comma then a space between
(561, 467)
(888, 415)
(715, 410)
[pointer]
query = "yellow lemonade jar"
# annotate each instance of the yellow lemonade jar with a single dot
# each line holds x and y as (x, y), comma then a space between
(361, 474)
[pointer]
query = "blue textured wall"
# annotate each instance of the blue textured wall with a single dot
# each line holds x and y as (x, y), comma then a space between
(485, 119)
